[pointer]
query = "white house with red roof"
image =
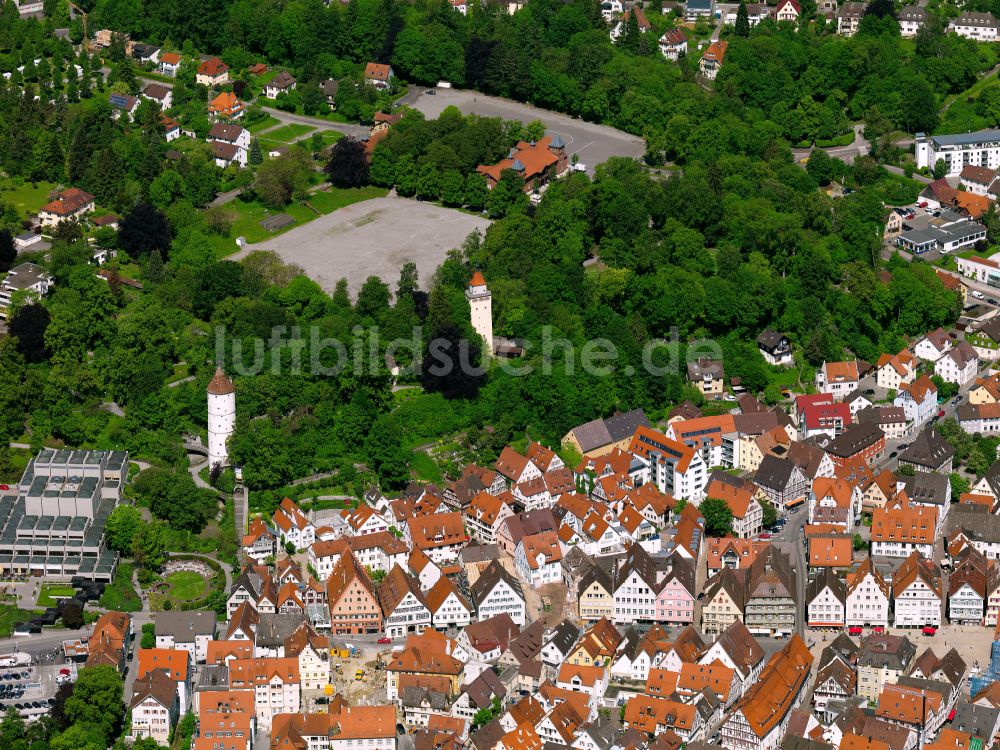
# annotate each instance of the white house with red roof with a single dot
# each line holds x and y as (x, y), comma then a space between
(293, 525)
(673, 44)
(788, 10)
(379, 75)
(517, 468)
(538, 558)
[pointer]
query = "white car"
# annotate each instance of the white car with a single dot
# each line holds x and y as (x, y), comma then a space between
(579, 167)
(978, 295)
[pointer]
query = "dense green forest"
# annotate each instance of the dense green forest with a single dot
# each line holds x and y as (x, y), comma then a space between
(738, 239)
(808, 82)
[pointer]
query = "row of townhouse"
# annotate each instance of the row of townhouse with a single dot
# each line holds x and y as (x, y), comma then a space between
(914, 597)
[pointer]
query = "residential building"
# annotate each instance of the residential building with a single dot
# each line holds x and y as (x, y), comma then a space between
(602, 436)
(775, 348)
(212, 73)
(860, 443)
(947, 237)
(788, 11)
(428, 655)
(226, 719)
(973, 579)
(980, 148)
(917, 592)
(784, 483)
(979, 27)
(883, 658)
(708, 376)
(918, 400)
(960, 365)
(351, 597)
(347, 729)
(928, 452)
(711, 61)
(595, 595)
(849, 18)
(538, 558)
(826, 599)
(771, 594)
(868, 597)
(191, 631)
(838, 378)
(72, 204)
(986, 338)
(403, 604)
(448, 608)
(379, 75)
(160, 94)
(275, 684)
(154, 707)
(911, 19)
(933, 346)
(894, 371)
(169, 63)
(745, 501)
(175, 663)
(673, 467)
(896, 532)
(282, 83)
(760, 718)
(497, 592)
(673, 44)
(226, 106)
(440, 536)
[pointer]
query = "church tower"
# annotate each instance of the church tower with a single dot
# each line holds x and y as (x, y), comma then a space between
(481, 309)
(221, 417)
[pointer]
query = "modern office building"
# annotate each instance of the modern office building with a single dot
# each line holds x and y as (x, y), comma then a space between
(53, 520)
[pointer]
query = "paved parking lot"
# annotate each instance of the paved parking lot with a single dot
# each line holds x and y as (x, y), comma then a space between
(593, 143)
(373, 237)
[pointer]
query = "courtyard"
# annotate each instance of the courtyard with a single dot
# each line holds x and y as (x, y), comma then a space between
(373, 237)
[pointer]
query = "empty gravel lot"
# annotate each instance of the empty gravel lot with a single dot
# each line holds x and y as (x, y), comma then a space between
(374, 237)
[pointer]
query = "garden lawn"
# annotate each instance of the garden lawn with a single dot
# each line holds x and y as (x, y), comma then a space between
(120, 595)
(9, 615)
(186, 585)
(27, 198)
(330, 136)
(287, 133)
(50, 593)
(268, 122)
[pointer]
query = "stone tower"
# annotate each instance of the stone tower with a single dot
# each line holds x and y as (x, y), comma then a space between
(221, 417)
(481, 309)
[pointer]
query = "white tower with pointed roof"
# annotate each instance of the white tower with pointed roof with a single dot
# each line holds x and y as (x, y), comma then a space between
(481, 309)
(221, 417)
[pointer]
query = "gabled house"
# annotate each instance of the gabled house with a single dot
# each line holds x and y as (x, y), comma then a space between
(960, 365)
(970, 583)
(868, 597)
(934, 345)
(826, 600)
(839, 378)
(737, 649)
(378, 75)
(403, 604)
(154, 707)
(883, 658)
(447, 606)
(282, 83)
(928, 452)
(673, 44)
(918, 399)
(775, 348)
(894, 371)
(212, 73)
(169, 63)
(69, 205)
(175, 663)
(759, 720)
(538, 558)
(496, 591)
(711, 61)
(917, 592)
(226, 106)
(352, 599)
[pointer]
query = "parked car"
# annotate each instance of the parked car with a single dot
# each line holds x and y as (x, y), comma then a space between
(384, 640)
(928, 630)
(855, 630)
(977, 294)
(765, 537)
(941, 413)
(922, 204)
(878, 629)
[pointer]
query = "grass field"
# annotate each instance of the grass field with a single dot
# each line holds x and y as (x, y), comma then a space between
(28, 197)
(186, 585)
(287, 133)
(51, 592)
(249, 214)
(330, 136)
(327, 201)
(268, 122)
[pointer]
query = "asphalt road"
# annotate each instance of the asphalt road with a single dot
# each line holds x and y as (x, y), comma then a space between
(592, 143)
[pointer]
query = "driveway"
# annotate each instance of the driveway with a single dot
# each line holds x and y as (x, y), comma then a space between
(592, 143)
(374, 237)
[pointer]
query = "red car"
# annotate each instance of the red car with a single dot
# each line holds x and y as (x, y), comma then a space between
(878, 629)
(385, 640)
(855, 630)
(765, 537)
(941, 413)
(929, 630)
(922, 204)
